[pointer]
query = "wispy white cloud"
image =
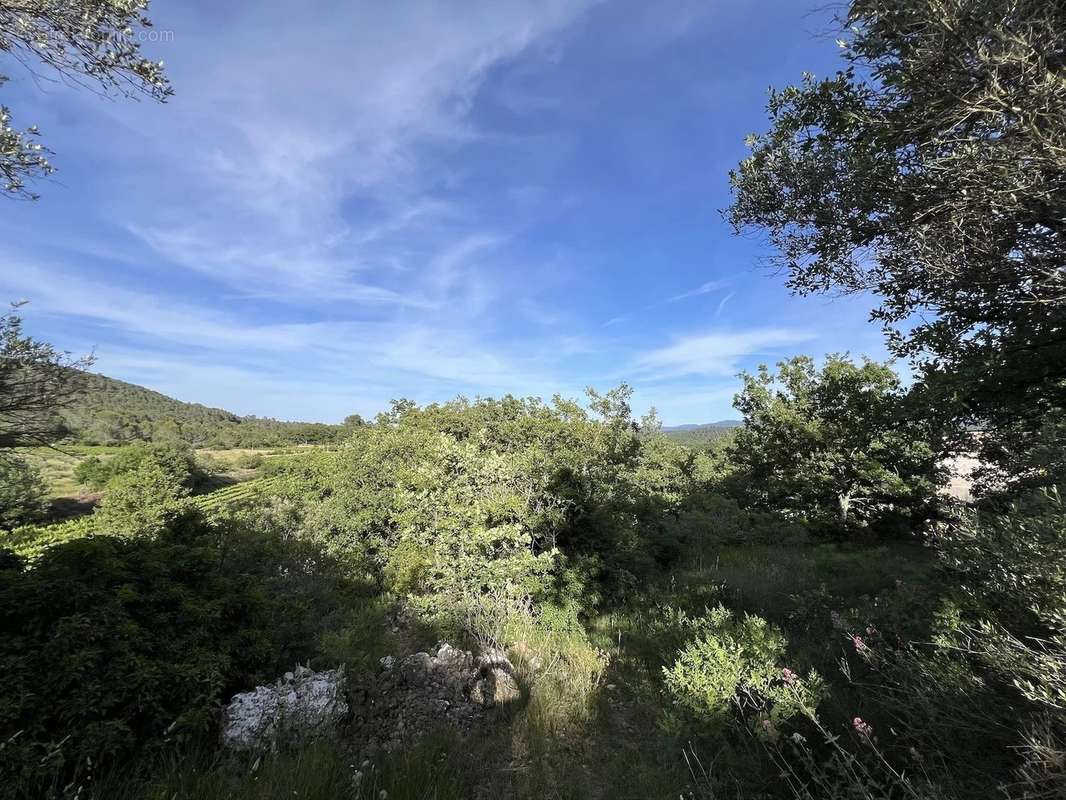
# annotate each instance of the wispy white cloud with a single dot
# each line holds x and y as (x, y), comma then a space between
(362, 351)
(716, 353)
(377, 200)
(704, 288)
(54, 290)
(327, 116)
(301, 274)
(722, 302)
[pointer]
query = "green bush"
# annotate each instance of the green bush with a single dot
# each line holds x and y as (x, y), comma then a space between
(735, 668)
(248, 461)
(112, 648)
(23, 492)
(143, 502)
(176, 460)
(835, 445)
(553, 500)
(92, 472)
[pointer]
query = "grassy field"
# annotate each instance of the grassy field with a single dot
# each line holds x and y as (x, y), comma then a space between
(57, 465)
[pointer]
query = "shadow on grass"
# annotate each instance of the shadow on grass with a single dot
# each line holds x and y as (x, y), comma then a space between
(62, 509)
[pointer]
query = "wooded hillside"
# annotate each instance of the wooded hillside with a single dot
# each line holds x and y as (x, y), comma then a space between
(114, 412)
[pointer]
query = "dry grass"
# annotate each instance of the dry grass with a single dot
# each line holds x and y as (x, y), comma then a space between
(57, 465)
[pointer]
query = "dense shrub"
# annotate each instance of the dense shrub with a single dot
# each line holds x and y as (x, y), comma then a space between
(110, 647)
(23, 492)
(176, 460)
(737, 666)
(143, 502)
(835, 445)
(546, 499)
(248, 461)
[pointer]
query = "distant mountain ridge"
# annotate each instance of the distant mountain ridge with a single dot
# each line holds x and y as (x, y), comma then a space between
(110, 411)
(725, 423)
(703, 435)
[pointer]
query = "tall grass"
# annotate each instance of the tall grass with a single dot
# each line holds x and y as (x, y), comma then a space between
(436, 769)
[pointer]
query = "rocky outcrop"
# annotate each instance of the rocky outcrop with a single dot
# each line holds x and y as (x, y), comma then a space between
(427, 691)
(393, 708)
(495, 683)
(301, 705)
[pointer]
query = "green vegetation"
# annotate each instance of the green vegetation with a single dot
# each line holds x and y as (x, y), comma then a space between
(110, 412)
(929, 172)
(835, 443)
(22, 493)
(117, 645)
(651, 618)
(58, 464)
(708, 436)
(29, 541)
(794, 611)
(736, 666)
(36, 383)
(176, 461)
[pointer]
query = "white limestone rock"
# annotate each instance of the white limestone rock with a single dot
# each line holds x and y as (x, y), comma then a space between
(302, 705)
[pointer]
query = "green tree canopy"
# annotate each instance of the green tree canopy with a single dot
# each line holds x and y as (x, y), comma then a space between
(36, 381)
(143, 501)
(932, 172)
(833, 441)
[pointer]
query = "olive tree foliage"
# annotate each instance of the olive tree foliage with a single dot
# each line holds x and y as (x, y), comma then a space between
(88, 43)
(833, 442)
(931, 171)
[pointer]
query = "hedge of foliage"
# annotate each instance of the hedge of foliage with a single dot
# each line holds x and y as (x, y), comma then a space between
(114, 646)
(556, 501)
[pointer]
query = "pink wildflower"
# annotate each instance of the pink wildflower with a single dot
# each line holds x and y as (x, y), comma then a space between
(788, 675)
(856, 640)
(864, 729)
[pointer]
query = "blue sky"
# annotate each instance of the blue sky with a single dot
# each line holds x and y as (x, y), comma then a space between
(346, 203)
